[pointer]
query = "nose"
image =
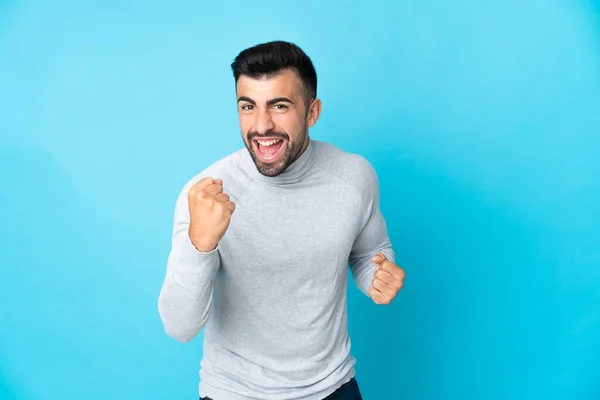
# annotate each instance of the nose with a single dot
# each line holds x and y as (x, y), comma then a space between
(263, 121)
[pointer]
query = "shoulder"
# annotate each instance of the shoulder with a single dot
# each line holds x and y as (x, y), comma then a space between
(228, 169)
(354, 169)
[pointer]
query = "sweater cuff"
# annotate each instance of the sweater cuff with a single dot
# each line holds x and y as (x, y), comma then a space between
(201, 262)
(190, 253)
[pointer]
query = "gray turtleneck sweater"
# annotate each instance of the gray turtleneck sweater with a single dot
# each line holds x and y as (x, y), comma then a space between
(272, 295)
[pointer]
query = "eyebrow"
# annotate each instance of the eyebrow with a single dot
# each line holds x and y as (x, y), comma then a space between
(269, 103)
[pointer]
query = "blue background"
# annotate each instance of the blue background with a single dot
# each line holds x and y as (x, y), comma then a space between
(481, 118)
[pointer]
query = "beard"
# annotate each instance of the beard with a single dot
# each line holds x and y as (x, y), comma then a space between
(291, 151)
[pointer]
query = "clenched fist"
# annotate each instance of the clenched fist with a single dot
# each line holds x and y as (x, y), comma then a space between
(210, 213)
(387, 281)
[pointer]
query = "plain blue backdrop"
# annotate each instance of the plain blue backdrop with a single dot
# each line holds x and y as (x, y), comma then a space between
(482, 119)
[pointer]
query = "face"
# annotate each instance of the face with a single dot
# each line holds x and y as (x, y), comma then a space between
(274, 119)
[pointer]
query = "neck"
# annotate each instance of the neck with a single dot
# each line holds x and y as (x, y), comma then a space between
(303, 149)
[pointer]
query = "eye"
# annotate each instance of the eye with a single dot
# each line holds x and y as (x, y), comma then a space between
(280, 107)
(247, 107)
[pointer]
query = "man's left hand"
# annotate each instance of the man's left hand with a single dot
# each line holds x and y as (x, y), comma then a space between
(387, 281)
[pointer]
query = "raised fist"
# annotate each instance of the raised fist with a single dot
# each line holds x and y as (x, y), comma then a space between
(210, 213)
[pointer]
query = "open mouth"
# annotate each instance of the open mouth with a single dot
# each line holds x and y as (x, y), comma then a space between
(268, 150)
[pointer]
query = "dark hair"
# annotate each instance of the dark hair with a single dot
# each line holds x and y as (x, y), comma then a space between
(268, 59)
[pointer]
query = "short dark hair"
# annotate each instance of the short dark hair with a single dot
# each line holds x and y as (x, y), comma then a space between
(268, 59)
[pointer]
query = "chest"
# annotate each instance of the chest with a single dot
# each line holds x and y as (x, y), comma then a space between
(276, 229)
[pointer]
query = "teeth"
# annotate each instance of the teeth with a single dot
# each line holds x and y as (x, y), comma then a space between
(268, 142)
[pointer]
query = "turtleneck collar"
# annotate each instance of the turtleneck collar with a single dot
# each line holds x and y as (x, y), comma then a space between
(292, 174)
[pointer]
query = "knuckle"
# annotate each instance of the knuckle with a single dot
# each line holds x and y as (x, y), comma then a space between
(200, 183)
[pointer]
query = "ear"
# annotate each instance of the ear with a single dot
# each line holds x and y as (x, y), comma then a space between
(314, 111)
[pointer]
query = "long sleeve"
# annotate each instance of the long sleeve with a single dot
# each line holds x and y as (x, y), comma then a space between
(373, 237)
(185, 298)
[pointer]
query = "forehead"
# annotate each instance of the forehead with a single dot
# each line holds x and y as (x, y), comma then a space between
(286, 83)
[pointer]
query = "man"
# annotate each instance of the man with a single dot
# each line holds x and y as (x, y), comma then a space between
(262, 242)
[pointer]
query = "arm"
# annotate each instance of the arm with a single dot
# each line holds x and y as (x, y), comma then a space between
(186, 295)
(372, 238)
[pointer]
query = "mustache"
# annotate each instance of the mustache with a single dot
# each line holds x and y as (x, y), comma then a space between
(268, 134)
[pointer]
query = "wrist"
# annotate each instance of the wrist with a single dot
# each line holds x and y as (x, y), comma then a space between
(204, 245)
(205, 249)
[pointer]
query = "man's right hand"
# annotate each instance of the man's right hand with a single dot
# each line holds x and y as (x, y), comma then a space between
(210, 213)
